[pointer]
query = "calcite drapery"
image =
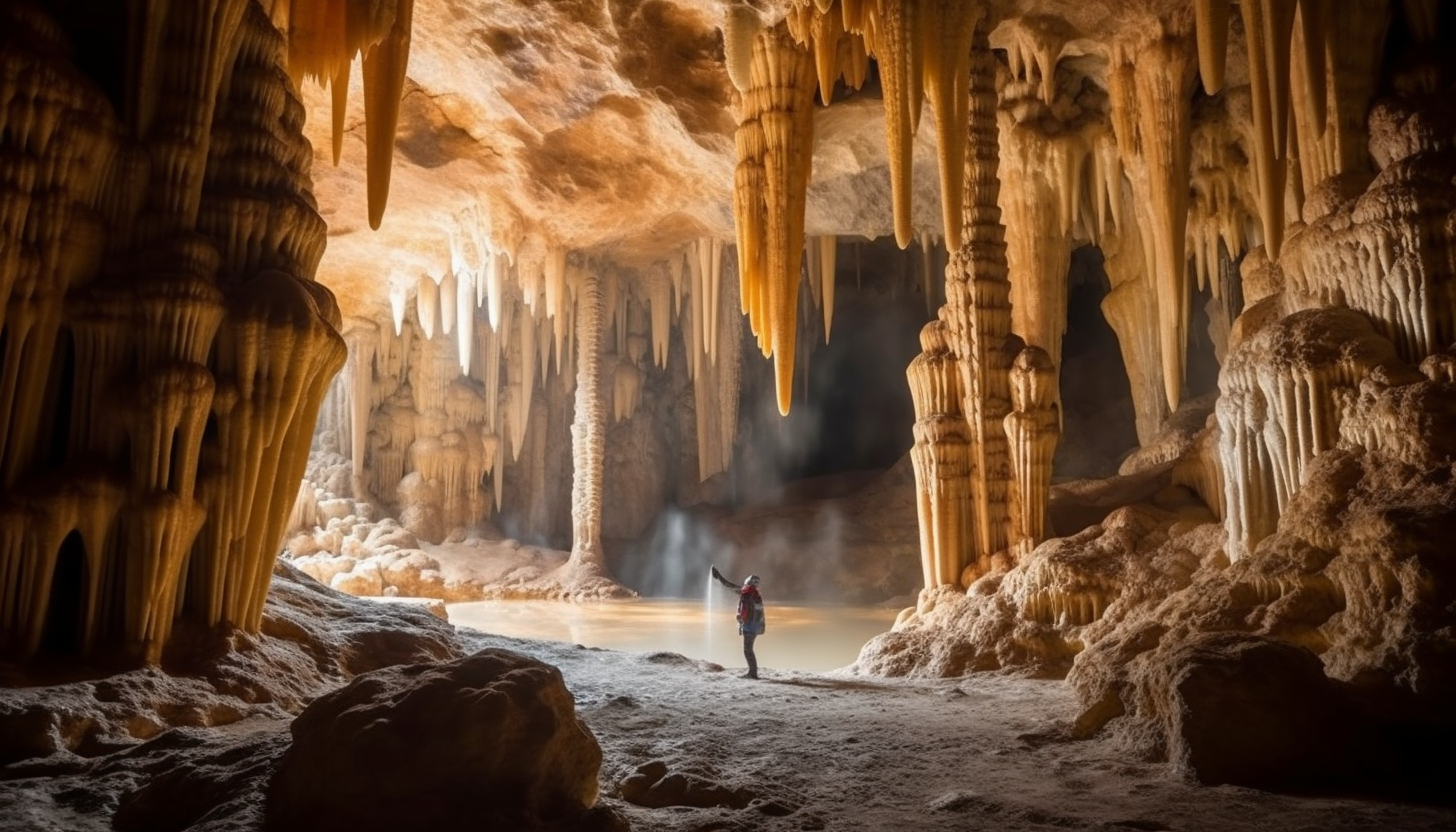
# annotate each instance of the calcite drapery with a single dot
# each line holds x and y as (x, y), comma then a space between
(1284, 390)
(204, 307)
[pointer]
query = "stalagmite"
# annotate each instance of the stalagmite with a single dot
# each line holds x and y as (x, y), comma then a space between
(1031, 428)
(941, 457)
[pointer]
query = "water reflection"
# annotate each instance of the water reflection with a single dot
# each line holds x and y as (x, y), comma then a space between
(813, 638)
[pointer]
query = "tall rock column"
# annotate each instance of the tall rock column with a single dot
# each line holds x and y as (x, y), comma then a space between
(941, 457)
(978, 304)
(588, 433)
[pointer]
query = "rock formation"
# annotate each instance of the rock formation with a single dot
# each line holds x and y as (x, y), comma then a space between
(534, 335)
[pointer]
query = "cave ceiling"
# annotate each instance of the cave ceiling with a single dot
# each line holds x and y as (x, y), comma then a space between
(607, 129)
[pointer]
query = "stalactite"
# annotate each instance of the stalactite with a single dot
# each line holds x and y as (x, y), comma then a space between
(1150, 94)
(398, 303)
(359, 384)
(1332, 138)
(1032, 427)
(465, 318)
(715, 392)
(828, 250)
(1268, 25)
(427, 305)
(1128, 308)
(1212, 29)
(384, 68)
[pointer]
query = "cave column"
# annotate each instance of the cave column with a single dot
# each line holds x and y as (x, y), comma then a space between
(978, 304)
(588, 431)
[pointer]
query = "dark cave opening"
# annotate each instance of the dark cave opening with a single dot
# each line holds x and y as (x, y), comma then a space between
(1098, 420)
(65, 607)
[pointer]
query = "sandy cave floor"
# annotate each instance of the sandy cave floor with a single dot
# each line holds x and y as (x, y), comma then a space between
(815, 751)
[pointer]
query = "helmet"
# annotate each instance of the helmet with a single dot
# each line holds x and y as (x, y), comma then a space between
(751, 580)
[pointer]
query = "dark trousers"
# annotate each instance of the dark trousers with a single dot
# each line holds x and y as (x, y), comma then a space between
(748, 653)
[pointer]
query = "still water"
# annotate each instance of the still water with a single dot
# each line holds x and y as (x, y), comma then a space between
(813, 638)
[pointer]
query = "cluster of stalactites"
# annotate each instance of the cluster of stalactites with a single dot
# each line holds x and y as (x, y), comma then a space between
(922, 48)
(201, 319)
(775, 143)
(447, 390)
(715, 368)
(1310, 83)
(324, 36)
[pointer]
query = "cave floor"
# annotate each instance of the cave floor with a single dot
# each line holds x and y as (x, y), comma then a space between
(844, 753)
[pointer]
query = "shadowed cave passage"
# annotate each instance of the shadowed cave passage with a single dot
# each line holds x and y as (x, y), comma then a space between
(1097, 412)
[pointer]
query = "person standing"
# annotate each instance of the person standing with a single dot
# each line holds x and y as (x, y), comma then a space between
(750, 616)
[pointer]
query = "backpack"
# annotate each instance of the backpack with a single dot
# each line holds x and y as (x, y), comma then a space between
(750, 613)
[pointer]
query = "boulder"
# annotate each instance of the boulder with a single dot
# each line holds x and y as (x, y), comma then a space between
(490, 741)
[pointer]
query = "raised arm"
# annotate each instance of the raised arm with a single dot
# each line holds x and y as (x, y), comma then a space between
(718, 576)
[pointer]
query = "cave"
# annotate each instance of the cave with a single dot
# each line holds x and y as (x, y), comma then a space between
(1104, 354)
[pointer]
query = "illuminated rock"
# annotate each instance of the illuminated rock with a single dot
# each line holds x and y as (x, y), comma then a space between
(204, 317)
